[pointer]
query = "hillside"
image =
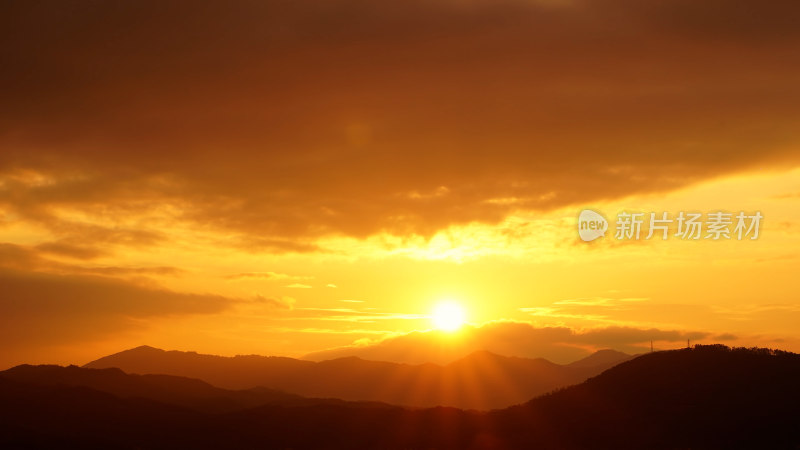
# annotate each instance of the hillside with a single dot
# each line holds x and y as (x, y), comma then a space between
(705, 397)
(481, 380)
(702, 398)
(178, 391)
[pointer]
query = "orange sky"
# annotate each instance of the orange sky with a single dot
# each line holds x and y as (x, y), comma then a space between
(312, 178)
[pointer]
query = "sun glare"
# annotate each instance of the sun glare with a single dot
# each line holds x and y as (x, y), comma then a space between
(448, 316)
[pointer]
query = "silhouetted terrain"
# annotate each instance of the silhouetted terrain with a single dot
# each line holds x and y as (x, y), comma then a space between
(179, 391)
(706, 397)
(481, 380)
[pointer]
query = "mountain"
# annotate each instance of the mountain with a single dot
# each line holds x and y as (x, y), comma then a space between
(704, 397)
(602, 358)
(708, 397)
(173, 390)
(481, 380)
(238, 372)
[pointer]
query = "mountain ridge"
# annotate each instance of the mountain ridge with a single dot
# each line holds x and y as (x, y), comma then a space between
(707, 397)
(470, 382)
(168, 389)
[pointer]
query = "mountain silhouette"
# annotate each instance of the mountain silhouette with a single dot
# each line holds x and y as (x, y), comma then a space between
(708, 397)
(173, 390)
(482, 380)
(601, 358)
(705, 397)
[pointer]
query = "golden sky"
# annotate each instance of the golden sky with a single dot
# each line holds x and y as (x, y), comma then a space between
(312, 178)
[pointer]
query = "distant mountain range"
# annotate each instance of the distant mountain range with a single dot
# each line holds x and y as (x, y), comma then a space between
(178, 391)
(707, 397)
(481, 380)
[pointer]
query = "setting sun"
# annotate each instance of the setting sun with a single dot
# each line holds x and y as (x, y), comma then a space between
(448, 316)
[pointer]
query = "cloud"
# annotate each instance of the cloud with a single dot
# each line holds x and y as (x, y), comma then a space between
(366, 315)
(400, 118)
(726, 337)
(598, 301)
(266, 276)
(61, 248)
(298, 286)
(135, 271)
(42, 308)
(558, 344)
(36, 259)
(278, 302)
(626, 337)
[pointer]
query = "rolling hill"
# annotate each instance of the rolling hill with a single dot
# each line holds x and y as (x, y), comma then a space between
(481, 380)
(178, 391)
(708, 397)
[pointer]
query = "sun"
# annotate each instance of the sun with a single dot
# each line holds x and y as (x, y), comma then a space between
(448, 316)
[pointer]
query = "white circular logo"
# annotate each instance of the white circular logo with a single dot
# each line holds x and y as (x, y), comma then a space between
(591, 225)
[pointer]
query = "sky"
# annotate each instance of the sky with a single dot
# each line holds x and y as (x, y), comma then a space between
(311, 179)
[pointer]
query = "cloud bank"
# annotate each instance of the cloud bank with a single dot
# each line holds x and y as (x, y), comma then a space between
(558, 344)
(281, 122)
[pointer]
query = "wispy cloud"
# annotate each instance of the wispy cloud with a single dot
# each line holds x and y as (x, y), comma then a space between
(272, 276)
(279, 302)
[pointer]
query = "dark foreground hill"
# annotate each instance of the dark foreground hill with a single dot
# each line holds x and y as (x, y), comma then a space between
(481, 380)
(706, 397)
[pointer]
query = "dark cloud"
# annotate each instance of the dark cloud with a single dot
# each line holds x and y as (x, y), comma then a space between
(559, 344)
(61, 248)
(726, 337)
(626, 336)
(19, 257)
(37, 259)
(46, 302)
(284, 121)
(41, 308)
